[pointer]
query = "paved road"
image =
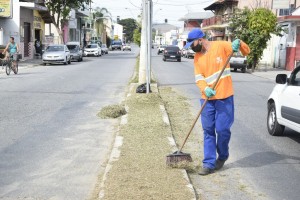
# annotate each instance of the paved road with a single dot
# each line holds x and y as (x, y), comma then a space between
(52, 144)
(269, 165)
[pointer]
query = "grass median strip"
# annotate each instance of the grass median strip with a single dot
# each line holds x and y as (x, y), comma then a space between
(141, 172)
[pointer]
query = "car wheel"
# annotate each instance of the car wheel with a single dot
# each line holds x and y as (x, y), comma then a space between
(164, 59)
(66, 62)
(179, 60)
(235, 69)
(274, 128)
(44, 64)
(243, 70)
(69, 61)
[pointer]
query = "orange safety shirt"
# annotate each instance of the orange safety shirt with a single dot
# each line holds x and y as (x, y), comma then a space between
(208, 65)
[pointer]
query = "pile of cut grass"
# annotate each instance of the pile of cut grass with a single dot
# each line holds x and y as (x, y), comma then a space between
(112, 111)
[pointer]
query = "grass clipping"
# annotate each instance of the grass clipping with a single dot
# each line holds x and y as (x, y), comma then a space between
(141, 171)
(112, 111)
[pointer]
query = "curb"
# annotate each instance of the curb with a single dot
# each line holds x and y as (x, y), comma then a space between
(175, 148)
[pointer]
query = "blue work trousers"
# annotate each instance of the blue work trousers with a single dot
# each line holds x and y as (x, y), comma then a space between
(217, 118)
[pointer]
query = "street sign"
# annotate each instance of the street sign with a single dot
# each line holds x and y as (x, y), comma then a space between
(281, 4)
(5, 8)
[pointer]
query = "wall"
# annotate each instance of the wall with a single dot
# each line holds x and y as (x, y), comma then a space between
(11, 25)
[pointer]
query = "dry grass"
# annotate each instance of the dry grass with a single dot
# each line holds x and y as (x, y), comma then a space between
(112, 111)
(141, 171)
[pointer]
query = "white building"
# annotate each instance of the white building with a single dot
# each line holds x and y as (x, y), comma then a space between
(117, 32)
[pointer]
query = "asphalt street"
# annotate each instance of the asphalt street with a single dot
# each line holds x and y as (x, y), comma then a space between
(52, 144)
(269, 165)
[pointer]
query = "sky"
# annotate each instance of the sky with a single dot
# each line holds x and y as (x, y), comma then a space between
(162, 9)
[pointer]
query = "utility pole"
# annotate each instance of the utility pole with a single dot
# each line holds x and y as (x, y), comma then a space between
(146, 44)
(143, 51)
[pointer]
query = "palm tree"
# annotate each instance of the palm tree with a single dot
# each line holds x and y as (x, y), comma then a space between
(99, 23)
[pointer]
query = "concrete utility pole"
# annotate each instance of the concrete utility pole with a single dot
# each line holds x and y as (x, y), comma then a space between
(143, 50)
(146, 44)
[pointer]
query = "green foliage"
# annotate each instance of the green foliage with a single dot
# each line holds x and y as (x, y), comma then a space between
(129, 26)
(255, 28)
(137, 36)
(108, 41)
(60, 9)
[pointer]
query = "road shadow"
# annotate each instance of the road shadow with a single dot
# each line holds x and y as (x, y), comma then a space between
(261, 159)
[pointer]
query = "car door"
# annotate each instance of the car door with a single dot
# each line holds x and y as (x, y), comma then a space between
(290, 100)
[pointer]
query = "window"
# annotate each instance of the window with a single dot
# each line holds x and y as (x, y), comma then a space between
(284, 12)
(295, 78)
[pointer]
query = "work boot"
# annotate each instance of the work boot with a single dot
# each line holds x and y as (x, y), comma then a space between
(219, 164)
(205, 171)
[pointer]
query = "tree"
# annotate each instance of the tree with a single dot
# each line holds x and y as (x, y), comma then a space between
(137, 36)
(129, 25)
(60, 10)
(255, 28)
(100, 13)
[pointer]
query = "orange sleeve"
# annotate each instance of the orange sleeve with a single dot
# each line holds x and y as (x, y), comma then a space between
(244, 48)
(199, 74)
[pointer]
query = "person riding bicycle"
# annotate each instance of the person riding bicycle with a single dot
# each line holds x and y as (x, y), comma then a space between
(13, 48)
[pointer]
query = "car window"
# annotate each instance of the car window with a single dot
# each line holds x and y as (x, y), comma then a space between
(172, 48)
(295, 78)
(92, 46)
(72, 47)
(55, 48)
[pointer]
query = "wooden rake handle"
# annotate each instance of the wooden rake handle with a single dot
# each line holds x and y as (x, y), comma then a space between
(205, 102)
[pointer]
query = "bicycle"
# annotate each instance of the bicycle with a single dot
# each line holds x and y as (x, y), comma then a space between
(9, 64)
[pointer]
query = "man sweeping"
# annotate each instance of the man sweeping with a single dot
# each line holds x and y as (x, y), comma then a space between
(218, 114)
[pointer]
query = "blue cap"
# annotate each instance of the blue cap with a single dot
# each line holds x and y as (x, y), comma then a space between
(195, 34)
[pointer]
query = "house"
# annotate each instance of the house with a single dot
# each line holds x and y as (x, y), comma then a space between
(281, 52)
(191, 20)
(25, 21)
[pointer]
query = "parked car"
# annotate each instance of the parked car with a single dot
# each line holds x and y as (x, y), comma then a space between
(126, 47)
(238, 61)
(189, 53)
(183, 52)
(104, 49)
(92, 50)
(284, 104)
(56, 54)
(75, 51)
(161, 48)
(172, 52)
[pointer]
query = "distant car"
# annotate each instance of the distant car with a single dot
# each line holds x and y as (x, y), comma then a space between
(126, 47)
(183, 52)
(189, 53)
(161, 48)
(238, 61)
(56, 54)
(92, 50)
(116, 45)
(75, 51)
(284, 104)
(172, 53)
(104, 49)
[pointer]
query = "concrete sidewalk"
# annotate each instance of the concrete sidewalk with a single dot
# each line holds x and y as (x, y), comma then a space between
(30, 62)
(269, 73)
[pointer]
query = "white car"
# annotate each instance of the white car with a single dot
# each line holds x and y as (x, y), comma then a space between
(126, 47)
(284, 104)
(92, 50)
(104, 49)
(161, 48)
(57, 54)
(238, 61)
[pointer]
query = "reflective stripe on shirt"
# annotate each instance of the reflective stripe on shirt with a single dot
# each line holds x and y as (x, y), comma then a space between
(211, 79)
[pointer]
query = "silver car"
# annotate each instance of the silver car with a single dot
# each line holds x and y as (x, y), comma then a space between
(104, 49)
(57, 54)
(75, 51)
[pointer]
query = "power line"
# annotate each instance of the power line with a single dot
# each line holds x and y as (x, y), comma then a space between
(186, 4)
